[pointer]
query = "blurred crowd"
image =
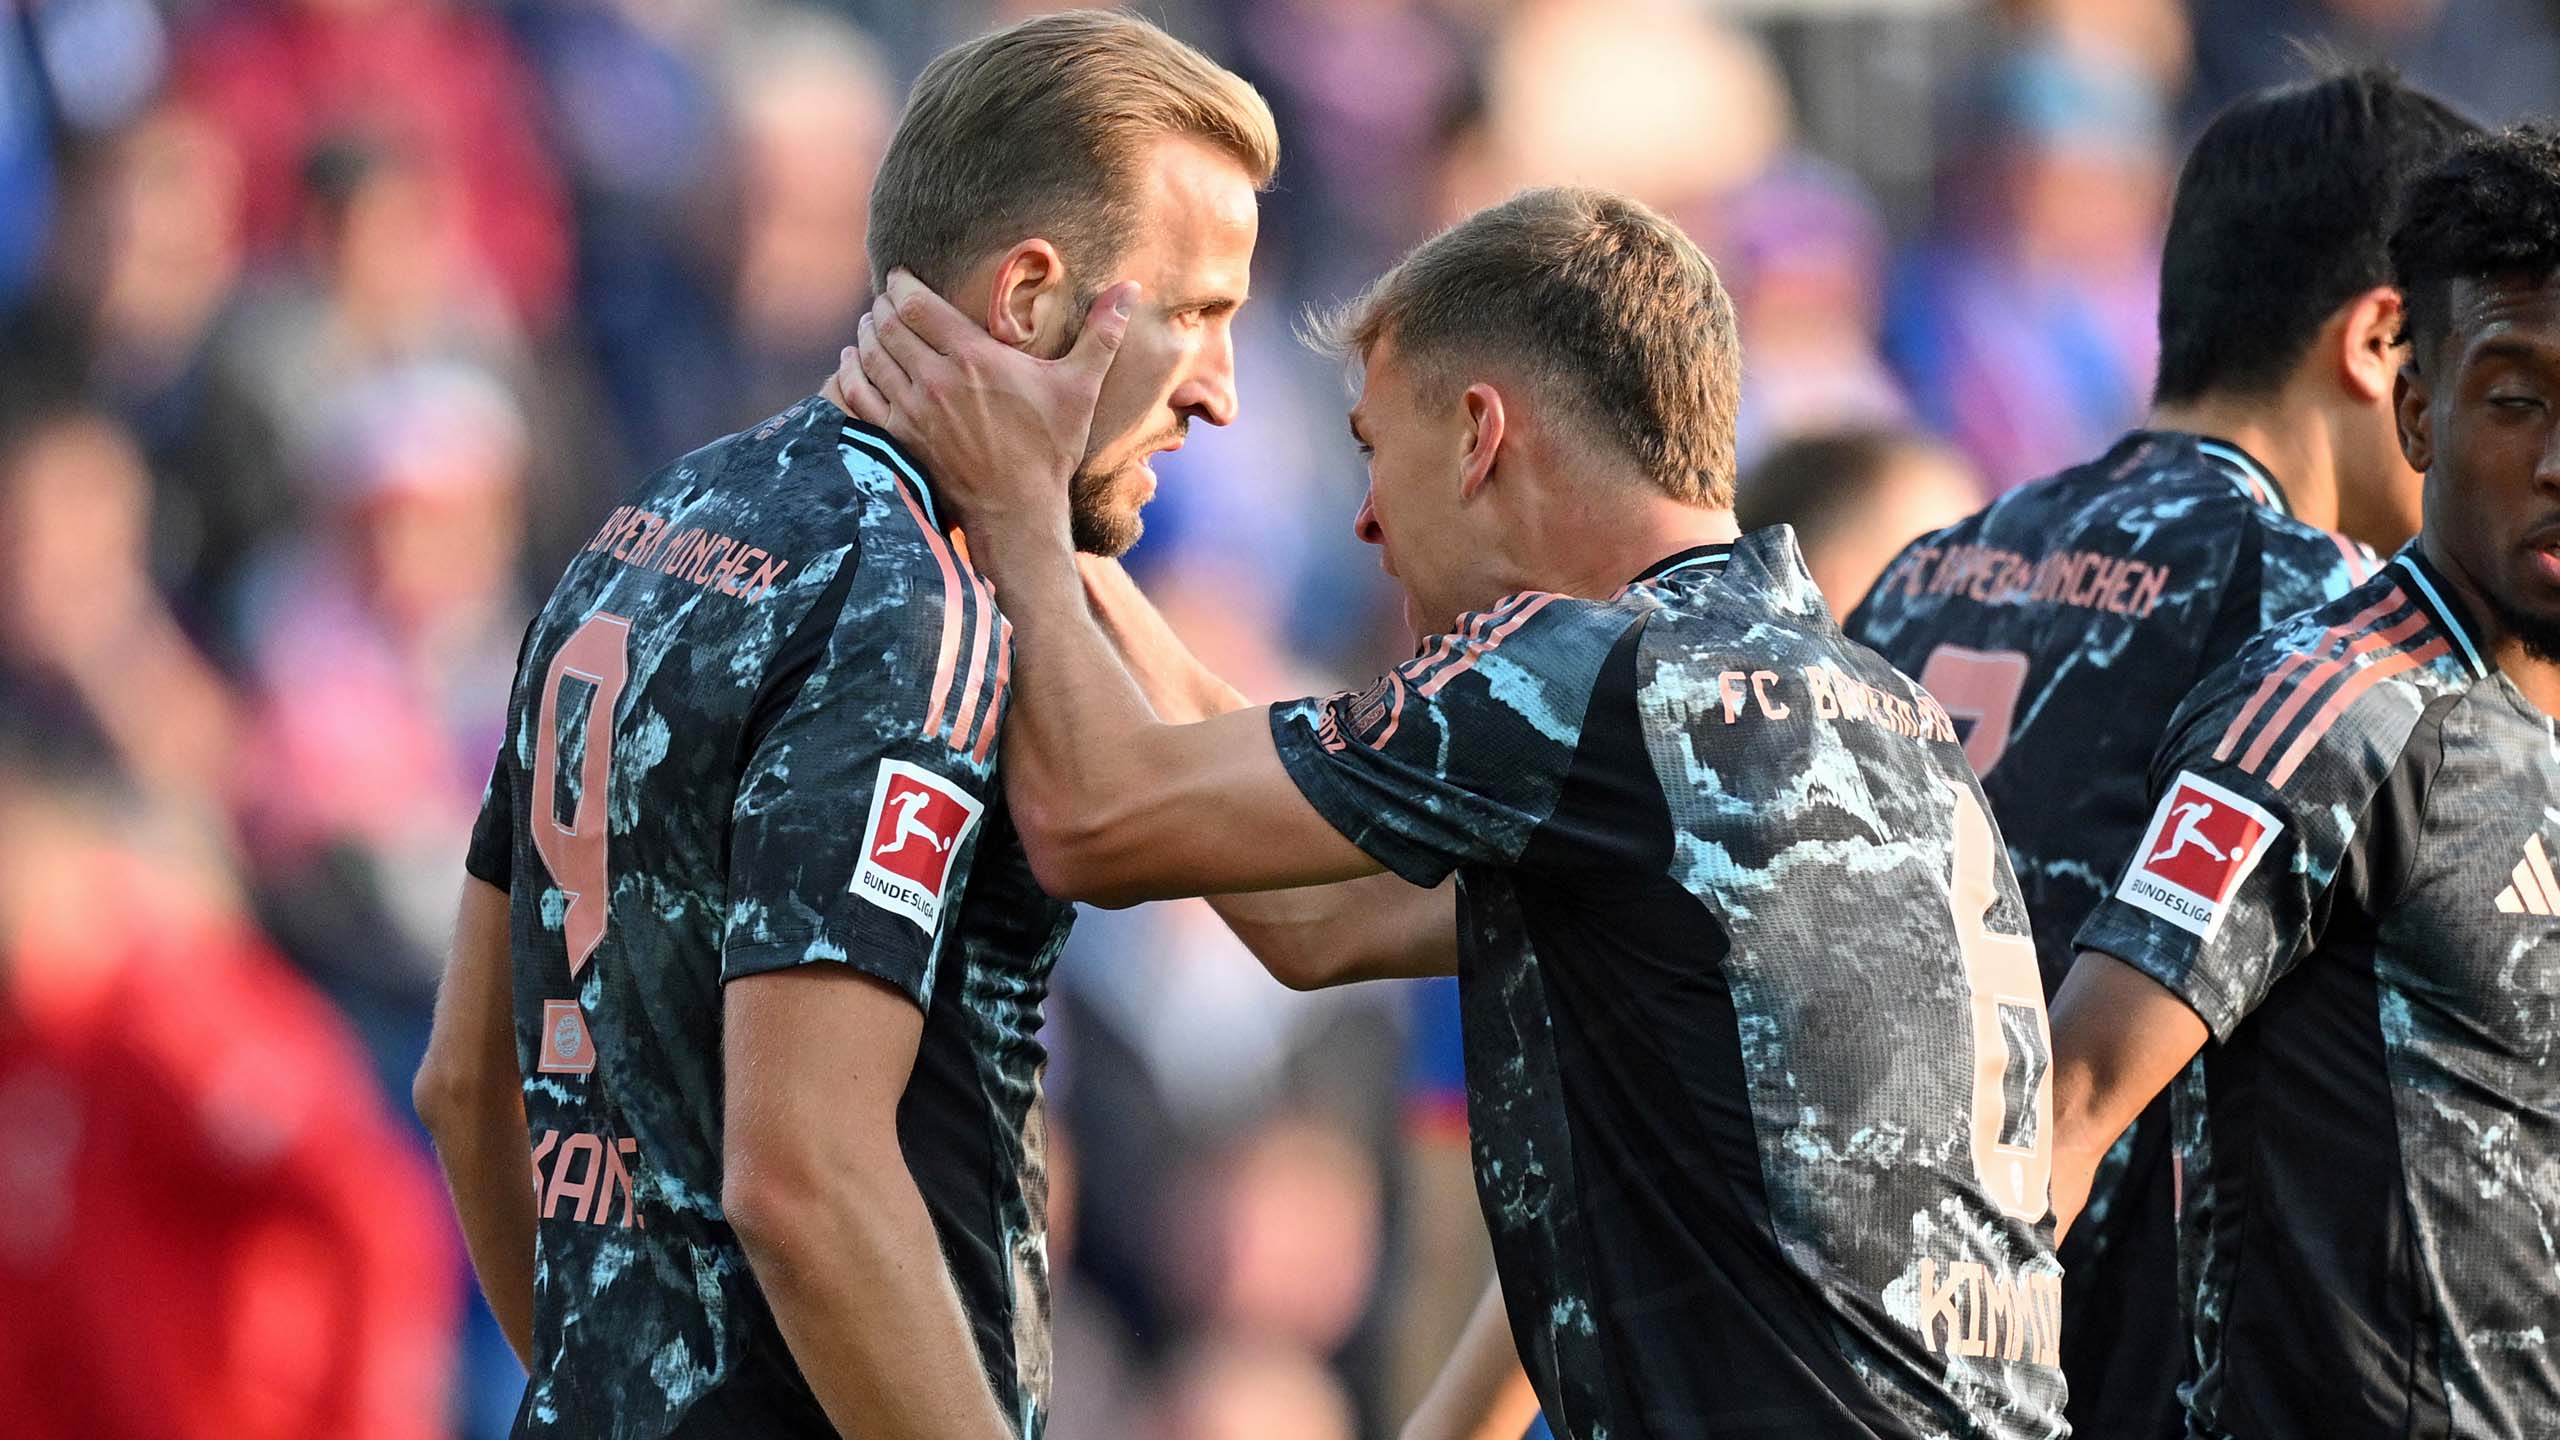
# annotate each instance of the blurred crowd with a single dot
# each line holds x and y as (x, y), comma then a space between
(328, 327)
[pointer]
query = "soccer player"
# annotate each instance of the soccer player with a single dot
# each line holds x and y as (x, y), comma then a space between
(2061, 625)
(2347, 882)
(1754, 1040)
(749, 942)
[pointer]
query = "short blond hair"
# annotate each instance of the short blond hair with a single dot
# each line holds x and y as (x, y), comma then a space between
(1039, 129)
(1592, 296)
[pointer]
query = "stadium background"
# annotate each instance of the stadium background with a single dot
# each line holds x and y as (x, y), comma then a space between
(328, 327)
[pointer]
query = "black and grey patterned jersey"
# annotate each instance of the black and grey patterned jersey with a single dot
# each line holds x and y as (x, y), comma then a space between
(755, 728)
(2348, 876)
(2061, 626)
(1756, 1053)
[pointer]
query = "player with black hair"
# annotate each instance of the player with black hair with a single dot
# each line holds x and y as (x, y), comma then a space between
(2348, 884)
(2062, 624)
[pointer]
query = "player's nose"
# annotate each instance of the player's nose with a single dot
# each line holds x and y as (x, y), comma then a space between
(1209, 391)
(1365, 523)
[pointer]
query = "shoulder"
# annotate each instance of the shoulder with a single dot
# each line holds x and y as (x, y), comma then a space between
(1558, 640)
(2301, 566)
(2334, 692)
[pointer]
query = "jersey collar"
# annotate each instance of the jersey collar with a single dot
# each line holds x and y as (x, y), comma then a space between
(2247, 476)
(1696, 557)
(880, 445)
(2444, 603)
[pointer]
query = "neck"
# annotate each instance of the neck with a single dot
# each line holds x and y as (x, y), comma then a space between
(2538, 678)
(2287, 435)
(1595, 553)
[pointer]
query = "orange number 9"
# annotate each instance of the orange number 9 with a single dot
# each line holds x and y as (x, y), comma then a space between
(574, 849)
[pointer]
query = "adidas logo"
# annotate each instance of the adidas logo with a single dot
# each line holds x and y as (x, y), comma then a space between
(2535, 891)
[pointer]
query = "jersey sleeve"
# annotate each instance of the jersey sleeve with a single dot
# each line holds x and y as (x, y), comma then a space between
(1457, 756)
(492, 854)
(868, 770)
(2274, 815)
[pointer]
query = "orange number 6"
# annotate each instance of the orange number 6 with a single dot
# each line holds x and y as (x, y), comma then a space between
(2012, 1044)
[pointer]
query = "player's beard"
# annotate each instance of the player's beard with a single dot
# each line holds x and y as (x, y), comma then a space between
(2539, 634)
(1100, 522)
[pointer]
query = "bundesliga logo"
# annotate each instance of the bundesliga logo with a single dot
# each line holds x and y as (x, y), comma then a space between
(918, 820)
(2203, 841)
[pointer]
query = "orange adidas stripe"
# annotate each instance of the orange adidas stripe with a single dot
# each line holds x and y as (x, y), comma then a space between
(2364, 680)
(995, 699)
(952, 605)
(2317, 678)
(961, 717)
(1539, 600)
(2294, 662)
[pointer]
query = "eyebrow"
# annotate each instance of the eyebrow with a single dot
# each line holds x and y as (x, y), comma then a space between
(2525, 351)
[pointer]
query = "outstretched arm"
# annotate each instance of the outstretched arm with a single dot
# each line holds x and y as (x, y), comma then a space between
(1114, 805)
(2118, 1037)
(1374, 928)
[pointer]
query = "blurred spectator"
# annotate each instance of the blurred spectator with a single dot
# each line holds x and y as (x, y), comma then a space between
(2499, 58)
(138, 287)
(431, 80)
(1855, 499)
(1803, 254)
(89, 654)
(701, 327)
(2025, 331)
(207, 1232)
(383, 651)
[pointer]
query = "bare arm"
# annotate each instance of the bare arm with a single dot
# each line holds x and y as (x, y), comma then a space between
(470, 1093)
(2118, 1038)
(818, 1190)
(1367, 929)
(1482, 1393)
(1114, 805)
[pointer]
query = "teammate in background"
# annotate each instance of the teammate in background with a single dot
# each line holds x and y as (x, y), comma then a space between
(749, 940)
(1854, 499)
(2062, 624)
(2376, 950)
(1695, 831)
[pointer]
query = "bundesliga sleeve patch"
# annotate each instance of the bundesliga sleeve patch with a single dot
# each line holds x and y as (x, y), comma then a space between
(2203, 841)
(918, 823)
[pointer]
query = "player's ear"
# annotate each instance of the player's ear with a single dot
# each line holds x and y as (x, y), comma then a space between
(1026, 305)
(2368, 348)
(1485, 427)
(2411, 400)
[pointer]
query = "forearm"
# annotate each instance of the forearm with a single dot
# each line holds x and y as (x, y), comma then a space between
(1375, 928)
(483, 1148)
(1080, 738)
(2119, 1037)
(855, 1276)
(1181, 690)
(1482, 1393)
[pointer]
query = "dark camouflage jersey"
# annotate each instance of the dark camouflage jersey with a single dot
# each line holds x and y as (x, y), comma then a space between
(2348, 876)
(1756, 1053)
(754, 728)
(2061, 626)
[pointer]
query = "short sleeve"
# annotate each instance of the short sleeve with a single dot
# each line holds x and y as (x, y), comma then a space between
(858, 809)
(1457, 756)
(2267, 824)
(492, 854)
